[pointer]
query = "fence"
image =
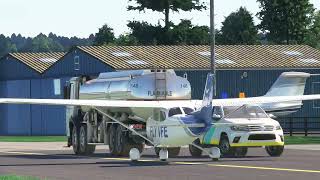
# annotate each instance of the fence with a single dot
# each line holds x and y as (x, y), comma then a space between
(300, 125)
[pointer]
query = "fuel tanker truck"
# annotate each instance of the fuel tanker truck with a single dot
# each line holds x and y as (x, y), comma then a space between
(87, 127)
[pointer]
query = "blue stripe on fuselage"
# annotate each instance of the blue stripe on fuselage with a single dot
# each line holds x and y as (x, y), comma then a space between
(191, 119)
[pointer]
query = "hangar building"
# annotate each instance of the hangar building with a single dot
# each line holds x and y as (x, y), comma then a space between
(241, 68)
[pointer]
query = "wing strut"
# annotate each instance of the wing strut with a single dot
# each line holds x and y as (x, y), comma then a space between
(122, 124)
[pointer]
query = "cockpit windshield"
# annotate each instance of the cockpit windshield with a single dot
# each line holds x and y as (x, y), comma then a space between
(174, 111)
(187, 110)
(248, 112)
(178, 110)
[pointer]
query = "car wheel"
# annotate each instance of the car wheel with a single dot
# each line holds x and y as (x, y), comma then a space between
(224, 146)
(275, 151)
(240, 151)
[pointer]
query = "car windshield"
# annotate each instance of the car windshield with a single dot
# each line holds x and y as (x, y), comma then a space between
(248, 112)
(229, 109)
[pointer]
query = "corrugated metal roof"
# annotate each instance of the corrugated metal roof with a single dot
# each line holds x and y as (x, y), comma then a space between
(198, 57)
(38, 61)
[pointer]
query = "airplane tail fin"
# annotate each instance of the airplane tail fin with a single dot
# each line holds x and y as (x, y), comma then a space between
(203, 115)
(289, 84)
(206, 108)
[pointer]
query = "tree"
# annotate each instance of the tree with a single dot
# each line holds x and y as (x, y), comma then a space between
(104, 36)
(145, 33)
(186, 33)
(182, 34)
(313, 36)
(6, 46)
(42, 43)
(126, 40)
(238, 28)
(285, 20)
(164, 6)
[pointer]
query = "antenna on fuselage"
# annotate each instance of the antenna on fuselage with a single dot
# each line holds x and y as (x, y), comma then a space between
(212, 48)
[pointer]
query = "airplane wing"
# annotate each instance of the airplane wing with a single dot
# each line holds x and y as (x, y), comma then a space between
(258, 100)
(94, 103)
(160, 104)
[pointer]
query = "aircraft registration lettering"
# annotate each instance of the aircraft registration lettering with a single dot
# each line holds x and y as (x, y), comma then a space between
(159, 131)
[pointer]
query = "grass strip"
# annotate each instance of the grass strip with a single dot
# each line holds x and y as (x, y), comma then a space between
(302, 140)
(33, 139)
(15, 177)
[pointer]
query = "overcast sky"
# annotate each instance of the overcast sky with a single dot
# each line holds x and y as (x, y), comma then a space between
(83, 17)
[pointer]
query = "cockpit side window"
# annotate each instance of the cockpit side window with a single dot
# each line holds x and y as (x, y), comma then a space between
(218, 111)
(163, 116)
(174, 111)
(159, 115)
(187, 110)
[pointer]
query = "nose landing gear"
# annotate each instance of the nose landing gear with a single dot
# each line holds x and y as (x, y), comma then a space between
(163, 154)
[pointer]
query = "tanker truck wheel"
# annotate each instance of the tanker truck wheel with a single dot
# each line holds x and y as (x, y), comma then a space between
(194, 151)
(85, 148)
(75, 140)
(112, 139)
(173, 151)
(122, 142)
(275, 151)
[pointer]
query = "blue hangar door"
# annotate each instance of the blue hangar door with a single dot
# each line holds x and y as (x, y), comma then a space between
(18, 117)
(53, 117)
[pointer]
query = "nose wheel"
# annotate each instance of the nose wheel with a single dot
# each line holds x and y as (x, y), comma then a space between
(163, 154)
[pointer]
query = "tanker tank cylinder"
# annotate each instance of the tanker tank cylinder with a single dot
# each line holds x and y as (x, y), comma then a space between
(136, 85)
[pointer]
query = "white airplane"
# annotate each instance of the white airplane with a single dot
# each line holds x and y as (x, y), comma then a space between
(175, 131)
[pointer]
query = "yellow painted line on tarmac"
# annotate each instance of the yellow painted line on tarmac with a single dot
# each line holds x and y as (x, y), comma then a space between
(127, 159)
(189, 163)
(224, 165)
(265, 168)
(186, 163)
(116, 159)
(150, 160)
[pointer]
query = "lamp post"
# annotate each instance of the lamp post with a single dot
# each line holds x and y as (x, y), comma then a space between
(212, 47)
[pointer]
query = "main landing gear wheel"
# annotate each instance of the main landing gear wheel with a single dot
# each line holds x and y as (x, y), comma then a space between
(172, 151)
(75, 140)
(275, 151)
(194, 151)
(134, 155)
(224, 146)
(215, 153)
(240, 152)
(85, 148)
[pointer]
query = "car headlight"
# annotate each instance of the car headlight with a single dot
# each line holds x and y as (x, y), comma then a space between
(239, 128)
(278, 127)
